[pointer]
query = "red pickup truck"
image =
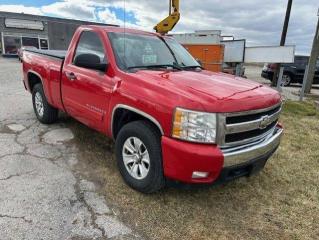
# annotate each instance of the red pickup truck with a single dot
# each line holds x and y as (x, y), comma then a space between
(170, 119)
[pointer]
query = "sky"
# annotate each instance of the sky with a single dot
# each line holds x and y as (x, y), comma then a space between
(258, 21)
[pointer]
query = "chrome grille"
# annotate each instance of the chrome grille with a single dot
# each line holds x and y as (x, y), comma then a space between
(242, 128)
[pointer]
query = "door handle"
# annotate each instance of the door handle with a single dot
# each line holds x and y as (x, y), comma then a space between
(70, 75)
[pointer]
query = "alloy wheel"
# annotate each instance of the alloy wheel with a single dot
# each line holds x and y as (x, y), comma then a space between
(136, 158)
(39, 104)
(286, 79)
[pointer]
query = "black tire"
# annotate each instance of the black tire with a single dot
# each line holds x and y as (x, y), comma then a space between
(50, 114)
(151, 138)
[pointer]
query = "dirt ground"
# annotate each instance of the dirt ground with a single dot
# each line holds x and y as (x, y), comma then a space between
(282, 202)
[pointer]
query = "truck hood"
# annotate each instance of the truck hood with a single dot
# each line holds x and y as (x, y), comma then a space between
(208, 87)
(216, 85)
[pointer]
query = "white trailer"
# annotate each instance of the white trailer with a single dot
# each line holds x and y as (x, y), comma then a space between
(234, 51)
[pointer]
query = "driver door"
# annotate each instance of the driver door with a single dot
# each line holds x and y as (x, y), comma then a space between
(86, 92)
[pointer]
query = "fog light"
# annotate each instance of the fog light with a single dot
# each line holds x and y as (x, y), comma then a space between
(200, 174)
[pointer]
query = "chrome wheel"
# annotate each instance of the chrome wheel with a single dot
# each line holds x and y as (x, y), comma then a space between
(136, 158)
(286, 79)
(39, 104)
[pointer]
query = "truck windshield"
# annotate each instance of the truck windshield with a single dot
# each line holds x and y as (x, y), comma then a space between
(149, 51)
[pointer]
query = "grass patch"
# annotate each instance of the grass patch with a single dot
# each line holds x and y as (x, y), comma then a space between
(300, 109)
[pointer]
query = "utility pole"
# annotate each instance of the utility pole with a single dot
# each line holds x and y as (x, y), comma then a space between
(313, 59)
(282, 40)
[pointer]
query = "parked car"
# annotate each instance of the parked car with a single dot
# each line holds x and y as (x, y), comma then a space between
(20, 51)
(170, 119)
(293, 72)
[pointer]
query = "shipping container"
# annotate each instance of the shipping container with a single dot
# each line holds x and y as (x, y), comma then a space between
(211, 56)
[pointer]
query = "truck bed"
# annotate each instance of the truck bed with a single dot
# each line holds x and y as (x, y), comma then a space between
(51, 53)
(46, 64)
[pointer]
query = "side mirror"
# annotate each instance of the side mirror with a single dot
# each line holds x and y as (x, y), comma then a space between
(90, 61)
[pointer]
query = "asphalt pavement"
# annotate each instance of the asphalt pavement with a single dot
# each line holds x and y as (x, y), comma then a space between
(42, 194)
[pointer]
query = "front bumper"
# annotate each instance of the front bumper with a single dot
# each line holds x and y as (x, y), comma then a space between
(245, 169)
(181, 159)
(245, 153)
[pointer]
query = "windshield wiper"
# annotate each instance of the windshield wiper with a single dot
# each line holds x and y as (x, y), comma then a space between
(174, 66)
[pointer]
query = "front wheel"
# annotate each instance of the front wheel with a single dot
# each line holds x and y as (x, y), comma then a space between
(43, 110)
(139, 156)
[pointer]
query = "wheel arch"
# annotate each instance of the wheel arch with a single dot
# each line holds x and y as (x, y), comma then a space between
(33, 79)
(290, 73)
(123, 114)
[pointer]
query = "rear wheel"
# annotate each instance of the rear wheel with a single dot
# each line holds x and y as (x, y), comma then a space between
(139, 156)
(42, 109)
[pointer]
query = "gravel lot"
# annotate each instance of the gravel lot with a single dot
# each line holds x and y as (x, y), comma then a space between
(43, 195)
(289, 93)
(61, 182)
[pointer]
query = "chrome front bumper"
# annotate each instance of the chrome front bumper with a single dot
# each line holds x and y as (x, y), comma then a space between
(246, 153)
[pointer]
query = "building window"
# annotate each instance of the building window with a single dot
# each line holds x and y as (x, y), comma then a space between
(30, 42)
(11, 44)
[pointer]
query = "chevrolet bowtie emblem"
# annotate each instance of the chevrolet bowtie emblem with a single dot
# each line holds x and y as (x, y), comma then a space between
(265, 121)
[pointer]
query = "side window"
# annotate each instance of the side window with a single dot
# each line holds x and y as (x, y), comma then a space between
(90, 42)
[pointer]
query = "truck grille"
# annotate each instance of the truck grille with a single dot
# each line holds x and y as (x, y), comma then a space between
(251, 117)
(247, 127)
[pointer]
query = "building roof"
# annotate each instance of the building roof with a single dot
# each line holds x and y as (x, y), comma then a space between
(50, 19)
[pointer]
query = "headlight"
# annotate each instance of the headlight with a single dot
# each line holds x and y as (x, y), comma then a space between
(194, 126)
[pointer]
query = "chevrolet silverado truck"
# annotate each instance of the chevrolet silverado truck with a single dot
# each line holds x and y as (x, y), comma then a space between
(170, 119)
